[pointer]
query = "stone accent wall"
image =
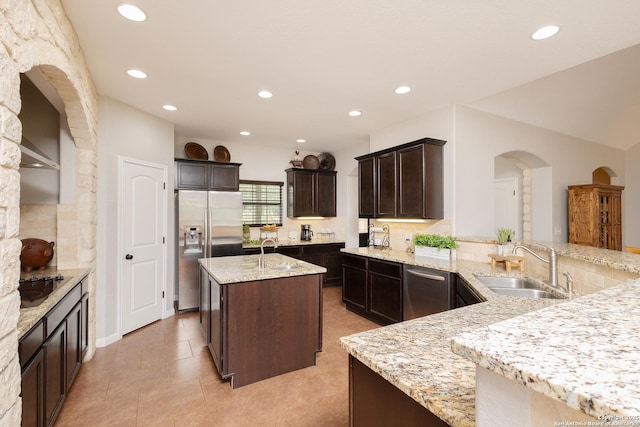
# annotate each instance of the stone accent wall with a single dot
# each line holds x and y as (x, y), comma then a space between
(37, 33)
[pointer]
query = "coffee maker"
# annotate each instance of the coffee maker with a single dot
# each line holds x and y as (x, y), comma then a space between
(305, 232)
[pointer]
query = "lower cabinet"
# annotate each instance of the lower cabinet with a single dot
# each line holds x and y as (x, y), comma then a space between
(50, 357)
(373, 401)
(372, 288)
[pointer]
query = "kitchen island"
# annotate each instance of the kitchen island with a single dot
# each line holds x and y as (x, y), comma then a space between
(416, 356)
(260, 322)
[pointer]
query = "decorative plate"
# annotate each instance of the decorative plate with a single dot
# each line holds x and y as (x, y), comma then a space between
(195, 151)
(310, 162)
(327, 161)
(221, 154)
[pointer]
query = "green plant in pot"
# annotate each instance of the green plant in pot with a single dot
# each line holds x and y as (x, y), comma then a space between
(504, 236)
(433, 245)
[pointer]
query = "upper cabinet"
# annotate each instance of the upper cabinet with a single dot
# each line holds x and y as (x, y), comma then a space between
(206, 175)
(311, 193)
(403, 182)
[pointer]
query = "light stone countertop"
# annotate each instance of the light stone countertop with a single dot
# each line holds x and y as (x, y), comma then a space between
(585, 353)
(29, 317)
(244, 268)
(416, 356)
(296, 242)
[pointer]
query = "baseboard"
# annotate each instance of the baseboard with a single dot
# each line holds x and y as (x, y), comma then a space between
(103, 342)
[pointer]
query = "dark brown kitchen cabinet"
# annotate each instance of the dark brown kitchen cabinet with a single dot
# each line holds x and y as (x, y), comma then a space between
(403, 182)
(366, 188)
(373, 402)
(206, 175)
(32, 393)
(51, 356)
(259, 329)
(372, 288)
(311, 193)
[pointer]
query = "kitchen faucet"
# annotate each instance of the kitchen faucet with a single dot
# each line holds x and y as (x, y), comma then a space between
(261, 258)
(552, 261)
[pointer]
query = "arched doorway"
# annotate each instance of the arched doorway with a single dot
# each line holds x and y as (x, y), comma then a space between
(522, 195)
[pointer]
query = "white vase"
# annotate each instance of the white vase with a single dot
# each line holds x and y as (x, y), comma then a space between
(430, 252)
(500, 250)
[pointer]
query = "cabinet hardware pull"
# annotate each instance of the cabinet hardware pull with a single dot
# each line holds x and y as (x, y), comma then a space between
(128, 256)
(426, 276)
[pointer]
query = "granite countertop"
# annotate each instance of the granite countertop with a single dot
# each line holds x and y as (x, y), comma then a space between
(296, 242)
(416, 356)
(32, 315)
(244, 268)
(556, 352)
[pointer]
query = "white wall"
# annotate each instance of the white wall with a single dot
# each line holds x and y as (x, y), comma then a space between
(631, 198)
(125, 131)
(479, 137)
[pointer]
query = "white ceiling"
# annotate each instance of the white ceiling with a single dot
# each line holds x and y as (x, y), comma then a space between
(322, 59)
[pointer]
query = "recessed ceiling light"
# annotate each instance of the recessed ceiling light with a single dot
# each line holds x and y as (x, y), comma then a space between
(355, 113)
(170, 107)
(301, 141)
(401, 90)
(245, 133)
(137, 74)
(545, 32)
(131, 12)
(265, 94)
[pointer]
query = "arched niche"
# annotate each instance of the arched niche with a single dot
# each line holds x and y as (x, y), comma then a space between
(522, 195)
(604, 175)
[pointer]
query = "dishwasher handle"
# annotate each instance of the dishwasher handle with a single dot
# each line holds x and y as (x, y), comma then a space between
(425, 275)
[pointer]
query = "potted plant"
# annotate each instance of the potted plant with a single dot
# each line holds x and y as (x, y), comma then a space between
(504, 236)
(434, 245)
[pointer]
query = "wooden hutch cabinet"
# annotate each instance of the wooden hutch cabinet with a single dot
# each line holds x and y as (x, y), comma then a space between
(595, 215)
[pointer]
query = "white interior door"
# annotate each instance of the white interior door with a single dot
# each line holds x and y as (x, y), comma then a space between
(506, 196)
(143, 256)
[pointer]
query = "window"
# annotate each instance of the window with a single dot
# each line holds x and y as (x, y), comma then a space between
(261, 202)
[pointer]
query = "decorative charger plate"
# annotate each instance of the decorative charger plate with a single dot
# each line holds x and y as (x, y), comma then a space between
(195, 151)
(327, 161)
(221, 154)
(310, 162)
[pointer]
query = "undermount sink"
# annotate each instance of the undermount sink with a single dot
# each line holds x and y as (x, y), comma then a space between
(517, 287)
(284, 267)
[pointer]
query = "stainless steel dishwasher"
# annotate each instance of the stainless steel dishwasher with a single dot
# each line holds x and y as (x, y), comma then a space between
(425, 291)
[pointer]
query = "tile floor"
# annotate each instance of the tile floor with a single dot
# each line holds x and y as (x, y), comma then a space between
(163, 375)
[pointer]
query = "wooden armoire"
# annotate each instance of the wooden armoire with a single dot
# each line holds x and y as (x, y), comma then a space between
(595, 215)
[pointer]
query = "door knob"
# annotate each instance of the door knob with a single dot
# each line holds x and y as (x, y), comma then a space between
(128, 256)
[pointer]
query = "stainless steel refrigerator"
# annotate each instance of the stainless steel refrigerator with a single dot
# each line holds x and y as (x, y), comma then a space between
(209, 224)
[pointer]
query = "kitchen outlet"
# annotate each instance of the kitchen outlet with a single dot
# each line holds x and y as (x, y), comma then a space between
(408, 237)
(556, 231)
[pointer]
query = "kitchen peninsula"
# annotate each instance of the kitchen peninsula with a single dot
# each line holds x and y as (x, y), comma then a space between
(416, 358)
(260, 322)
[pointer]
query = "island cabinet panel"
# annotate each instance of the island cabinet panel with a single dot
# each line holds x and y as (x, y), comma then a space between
(259, 329)
(405, 181)
(373, 402)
